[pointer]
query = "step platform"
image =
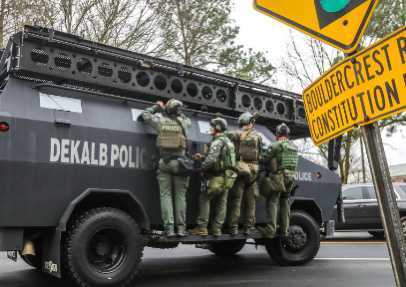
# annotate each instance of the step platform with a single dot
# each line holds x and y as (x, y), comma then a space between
(196, 239)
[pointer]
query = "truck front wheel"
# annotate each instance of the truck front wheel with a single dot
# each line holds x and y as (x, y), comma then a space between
(302, 244)
(103, 247)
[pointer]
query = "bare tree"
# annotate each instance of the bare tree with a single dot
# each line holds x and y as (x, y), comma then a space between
(306, 59)
(129, 24)
(73, 14)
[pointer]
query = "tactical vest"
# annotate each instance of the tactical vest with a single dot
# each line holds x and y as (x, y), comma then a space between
(171, 137)
(287, 156)
(249, 149)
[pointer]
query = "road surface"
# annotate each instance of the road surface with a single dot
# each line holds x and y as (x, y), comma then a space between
(342, 262)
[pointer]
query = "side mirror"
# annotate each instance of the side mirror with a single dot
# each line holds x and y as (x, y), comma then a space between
(334, 153)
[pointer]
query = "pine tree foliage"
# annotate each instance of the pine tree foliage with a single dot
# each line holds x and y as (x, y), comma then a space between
(201, 33)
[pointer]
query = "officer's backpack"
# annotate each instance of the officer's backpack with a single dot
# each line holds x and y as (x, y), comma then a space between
(249, 147)
(228, 156)
(287, 156)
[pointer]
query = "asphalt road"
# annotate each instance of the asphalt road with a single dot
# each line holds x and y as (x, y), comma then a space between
(345, 261)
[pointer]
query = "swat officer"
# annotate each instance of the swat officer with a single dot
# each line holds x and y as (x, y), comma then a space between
(171, 125)
(218, 167)
(281, 158)
(249, 143)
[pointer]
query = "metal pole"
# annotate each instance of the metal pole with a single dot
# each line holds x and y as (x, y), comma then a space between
(386, 200)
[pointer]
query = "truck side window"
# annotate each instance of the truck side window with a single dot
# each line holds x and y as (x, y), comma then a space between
(204, 127)
(59, 103)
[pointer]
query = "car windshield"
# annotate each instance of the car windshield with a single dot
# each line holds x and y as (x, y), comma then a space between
(402, 191)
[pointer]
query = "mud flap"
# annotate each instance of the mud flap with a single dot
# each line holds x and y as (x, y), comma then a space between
(51, 253)
(329, 228)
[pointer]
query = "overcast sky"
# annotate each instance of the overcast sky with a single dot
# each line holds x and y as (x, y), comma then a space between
(264, 33)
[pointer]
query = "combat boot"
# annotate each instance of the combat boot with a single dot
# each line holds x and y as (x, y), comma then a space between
(215, 231)
(233, 230)
(248, 230)
(266, 232)
(200, 231)
(181, 232)
(169, 233)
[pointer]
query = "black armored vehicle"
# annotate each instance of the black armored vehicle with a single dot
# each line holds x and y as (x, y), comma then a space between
(79, 195)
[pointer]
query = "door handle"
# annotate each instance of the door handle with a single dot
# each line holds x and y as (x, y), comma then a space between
(362, 205)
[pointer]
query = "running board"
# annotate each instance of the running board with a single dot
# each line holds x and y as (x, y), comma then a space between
(197, 239)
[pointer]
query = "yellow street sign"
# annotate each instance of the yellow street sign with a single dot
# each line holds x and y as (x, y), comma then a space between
(340, 23)
(362, 89)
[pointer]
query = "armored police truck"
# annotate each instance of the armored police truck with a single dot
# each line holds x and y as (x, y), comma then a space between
(79, 196)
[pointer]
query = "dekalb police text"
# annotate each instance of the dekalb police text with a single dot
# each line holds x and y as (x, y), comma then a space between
(96, 154)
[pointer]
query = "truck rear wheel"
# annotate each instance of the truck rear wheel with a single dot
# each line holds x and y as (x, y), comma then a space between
(104, 247)
(302, 244)
(226, 248)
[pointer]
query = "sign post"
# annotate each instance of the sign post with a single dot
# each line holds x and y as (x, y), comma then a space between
(364, 88)
(387, 201)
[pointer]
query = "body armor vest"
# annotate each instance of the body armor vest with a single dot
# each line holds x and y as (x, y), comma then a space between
(249, 147)
(287, 156)
(171, 137)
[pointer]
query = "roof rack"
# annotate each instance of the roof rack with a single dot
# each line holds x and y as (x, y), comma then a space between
(46, 55)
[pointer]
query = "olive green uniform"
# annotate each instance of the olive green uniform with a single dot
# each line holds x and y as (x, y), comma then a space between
(248, 145)
(282, 160)
(172, 145)
(219, 181)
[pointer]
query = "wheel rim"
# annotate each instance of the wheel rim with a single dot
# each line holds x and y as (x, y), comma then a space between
(107, 250)
(297, 239)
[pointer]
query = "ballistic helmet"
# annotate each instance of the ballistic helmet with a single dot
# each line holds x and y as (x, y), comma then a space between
(282, 130)
(173, 106)
(219, 124)
(245, 119)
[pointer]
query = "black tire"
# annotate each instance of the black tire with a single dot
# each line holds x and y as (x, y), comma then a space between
(377, 234)
(307, 232)
(226, 248)
(103, 247)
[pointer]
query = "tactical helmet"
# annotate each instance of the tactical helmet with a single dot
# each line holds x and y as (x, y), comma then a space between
(282, 130)
(219, 124)
(173, 106)
(245, 119)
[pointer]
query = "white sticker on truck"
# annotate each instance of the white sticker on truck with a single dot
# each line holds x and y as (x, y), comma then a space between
(59, 103)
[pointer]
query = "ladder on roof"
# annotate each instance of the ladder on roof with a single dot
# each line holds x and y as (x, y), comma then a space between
(45, 55)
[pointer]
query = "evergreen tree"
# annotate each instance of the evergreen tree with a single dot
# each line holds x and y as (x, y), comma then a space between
(201, 33)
